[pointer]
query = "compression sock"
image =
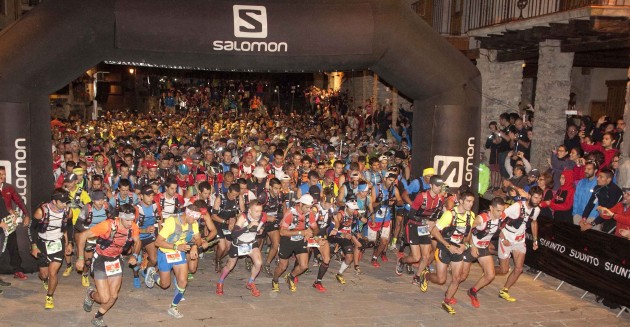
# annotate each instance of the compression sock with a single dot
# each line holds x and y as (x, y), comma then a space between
(178, 296)
(343, 268)
(250, 281)
(322, 271)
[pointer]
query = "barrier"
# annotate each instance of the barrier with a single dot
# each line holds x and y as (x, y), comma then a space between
(596, 262)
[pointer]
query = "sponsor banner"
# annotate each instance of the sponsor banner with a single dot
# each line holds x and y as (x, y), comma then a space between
(14, 146)
(593, 261)
(455, 144)
(237, 28)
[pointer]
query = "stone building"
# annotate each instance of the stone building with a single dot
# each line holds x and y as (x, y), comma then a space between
(538, 52)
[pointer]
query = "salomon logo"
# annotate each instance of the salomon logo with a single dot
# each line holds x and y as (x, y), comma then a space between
(250, 21)
(451, 169)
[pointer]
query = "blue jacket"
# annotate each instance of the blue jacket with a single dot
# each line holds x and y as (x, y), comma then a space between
(583, 192)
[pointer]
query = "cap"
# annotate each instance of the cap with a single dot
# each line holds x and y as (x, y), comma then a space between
(195, 156)
(362, 188)
(534, 173)
(70, 178)
(98, 195)
(154, 181)
(62, 196)
(381, 158)
(201, 177)
(329, 174)
(428, 171)
(391, 174)
(400, 155)
(436, 180)
(259, 172)
(147, 190)
(352, 205)
(151, 164)
(306, 199)
(355, 175)
(183, 169)
(78, 171)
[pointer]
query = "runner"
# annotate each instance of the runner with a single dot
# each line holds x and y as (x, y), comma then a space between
(112, 235)
(177, 243)
(273, 206)
(425, 209)
(148, 220)
(486, 225)
(297, 226)
(512, 238)
(226, 208)
(342, 234)
(452, 232)
(49, 240)
(248, 226)
(326, 210)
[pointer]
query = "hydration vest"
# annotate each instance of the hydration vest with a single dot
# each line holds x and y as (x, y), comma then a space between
(350, 195)
(90, 215)
(111, 240)
(448, 232)
(422, 212)
(516, 223)
(228, 208)
(45, 221)
(141, 216)
(178, 232)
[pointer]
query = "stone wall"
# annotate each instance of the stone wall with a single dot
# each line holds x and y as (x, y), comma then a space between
(360, 86)
(581, 86)
(552, 96)
(501, 83)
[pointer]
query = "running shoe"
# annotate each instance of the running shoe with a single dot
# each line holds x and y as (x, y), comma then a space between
(399, 267)
(291, 283)
(275, 286)
(357, 270)
(384, 258)
(410, 270)
(415, 280)
(98, 322)
(424, 285)
(173, 312)
(252, 287)
(150, 279)
(50, 303)
(85, 281)
(88, 302)
(340, 279)
(503, 293)
(20, 275)
(136, 282)
(45, 284)
(267, 269)
(4, 284)
(219, 289)
(319, 287)
(473, 298)
(448, 308)
(67, 272)
(375, 263)
(400, 254)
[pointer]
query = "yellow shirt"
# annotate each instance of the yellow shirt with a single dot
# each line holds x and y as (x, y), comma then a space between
(447, 219)
(169, 228)
(84, 198)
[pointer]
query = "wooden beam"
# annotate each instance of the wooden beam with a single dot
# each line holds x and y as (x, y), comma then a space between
(504, 56)
(595, 45)
(616, 25)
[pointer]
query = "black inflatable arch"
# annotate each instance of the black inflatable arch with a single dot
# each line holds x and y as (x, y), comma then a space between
(59, 40)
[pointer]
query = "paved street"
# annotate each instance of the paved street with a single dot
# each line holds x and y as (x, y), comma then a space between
(376, 298)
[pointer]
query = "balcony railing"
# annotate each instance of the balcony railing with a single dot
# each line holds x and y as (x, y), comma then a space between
(456, 17)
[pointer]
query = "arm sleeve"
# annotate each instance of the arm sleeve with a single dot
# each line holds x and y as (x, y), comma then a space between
(33, 228)
(444, 220)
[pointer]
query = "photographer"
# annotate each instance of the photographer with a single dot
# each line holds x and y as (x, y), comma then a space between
(495, 143)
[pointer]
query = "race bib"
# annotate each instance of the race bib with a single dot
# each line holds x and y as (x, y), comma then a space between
(483, 244)
(174, 257)
(53, 246)
(423, 230)
(457, 238)
(11, 222)
(245, 249)
(312, 243)
(519, 237)
(226, 231)
(113, 267)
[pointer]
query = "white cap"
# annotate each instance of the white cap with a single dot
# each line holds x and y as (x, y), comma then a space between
(259, 172)
(381, 158)
(352, 205)
(306, 199)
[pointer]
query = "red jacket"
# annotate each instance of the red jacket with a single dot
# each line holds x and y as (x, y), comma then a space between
(9, 194)
(622, 216)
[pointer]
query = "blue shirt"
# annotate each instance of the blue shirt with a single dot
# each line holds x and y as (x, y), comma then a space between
(583, 192)
(149, 220)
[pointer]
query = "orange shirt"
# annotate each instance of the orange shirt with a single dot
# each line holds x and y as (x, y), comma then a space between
(103, 230)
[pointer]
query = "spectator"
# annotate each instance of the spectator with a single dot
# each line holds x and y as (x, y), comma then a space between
(545, 182)
(571, 138)
(620, 213)
(519, 160)
(583, 192)
(562, 203)
(559, 162)
(605, 194)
